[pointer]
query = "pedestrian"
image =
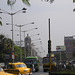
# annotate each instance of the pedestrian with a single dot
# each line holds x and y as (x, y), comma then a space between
(33, 69)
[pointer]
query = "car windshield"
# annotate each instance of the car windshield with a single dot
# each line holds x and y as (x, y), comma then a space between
(20, 65)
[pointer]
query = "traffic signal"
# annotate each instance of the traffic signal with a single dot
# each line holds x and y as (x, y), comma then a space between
(49, 46)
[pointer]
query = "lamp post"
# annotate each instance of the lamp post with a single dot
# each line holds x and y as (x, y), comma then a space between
(11, 14)
(20, 37)
(36, 44)
(34, 35)
(39, 41)
(36, 39)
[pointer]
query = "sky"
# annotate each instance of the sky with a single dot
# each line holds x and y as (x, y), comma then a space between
(62, 21)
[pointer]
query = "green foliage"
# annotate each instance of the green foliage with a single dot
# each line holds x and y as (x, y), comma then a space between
(73, 1)
(26, 2)
(0, 21)
(17, 53)
(5, 47)
(50, 1)
(12, 2)
(9, 2)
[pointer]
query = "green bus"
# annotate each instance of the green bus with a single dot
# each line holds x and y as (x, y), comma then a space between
(32, 60)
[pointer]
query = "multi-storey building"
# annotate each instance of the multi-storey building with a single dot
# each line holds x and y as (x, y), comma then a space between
(69, 43)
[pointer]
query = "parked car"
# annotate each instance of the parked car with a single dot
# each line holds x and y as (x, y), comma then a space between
(4, 73)
(18, 68)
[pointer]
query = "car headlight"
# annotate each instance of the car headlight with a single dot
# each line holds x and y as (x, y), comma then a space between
(25, 70)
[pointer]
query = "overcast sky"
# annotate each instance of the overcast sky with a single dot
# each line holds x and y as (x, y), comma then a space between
(60, 13)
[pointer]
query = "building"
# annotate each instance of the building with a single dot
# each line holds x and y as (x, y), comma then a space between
(68, 41)
(28, 45)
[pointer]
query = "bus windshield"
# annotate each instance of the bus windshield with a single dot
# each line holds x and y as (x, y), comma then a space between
(46, 60)
(30, 60)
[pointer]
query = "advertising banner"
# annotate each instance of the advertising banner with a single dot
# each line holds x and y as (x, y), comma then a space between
(59, 48)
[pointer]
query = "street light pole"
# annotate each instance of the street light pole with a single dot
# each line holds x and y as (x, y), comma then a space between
(12, 37)
(20, 37)
(36, 39)
(49, 49)
(4, 11)
(34, 35)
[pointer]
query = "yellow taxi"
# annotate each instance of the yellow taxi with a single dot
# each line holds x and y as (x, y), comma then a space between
(4, 73)
(18, 68)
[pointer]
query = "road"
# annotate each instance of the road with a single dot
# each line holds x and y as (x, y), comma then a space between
(40, 72)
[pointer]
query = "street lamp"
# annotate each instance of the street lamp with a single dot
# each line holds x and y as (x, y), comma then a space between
(20, 37)
(6, 12)
(36, 39)
(34, 35)
(38, 42)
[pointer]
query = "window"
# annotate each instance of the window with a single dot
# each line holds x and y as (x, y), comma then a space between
(10, 66)
(20, 65)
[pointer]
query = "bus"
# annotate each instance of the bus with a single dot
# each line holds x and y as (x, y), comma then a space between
(46, 64)
(32, 60)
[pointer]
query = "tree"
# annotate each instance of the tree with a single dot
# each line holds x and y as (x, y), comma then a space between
(12, 2)
(51, 1)
(17, 53)
(5, 48)
(26, 2)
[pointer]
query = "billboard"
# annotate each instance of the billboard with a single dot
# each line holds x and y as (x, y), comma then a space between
(58, 48)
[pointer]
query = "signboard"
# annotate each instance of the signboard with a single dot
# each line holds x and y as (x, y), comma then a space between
(58, 48)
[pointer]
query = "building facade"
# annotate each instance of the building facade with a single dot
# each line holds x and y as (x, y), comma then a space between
(69, 43)
(28, 45)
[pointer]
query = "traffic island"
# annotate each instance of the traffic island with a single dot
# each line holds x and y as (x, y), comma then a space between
(64, 72)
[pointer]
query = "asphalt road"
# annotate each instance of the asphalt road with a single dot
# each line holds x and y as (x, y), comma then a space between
(40, 72)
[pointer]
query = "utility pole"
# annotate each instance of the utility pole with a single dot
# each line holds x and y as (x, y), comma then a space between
(49, 49)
